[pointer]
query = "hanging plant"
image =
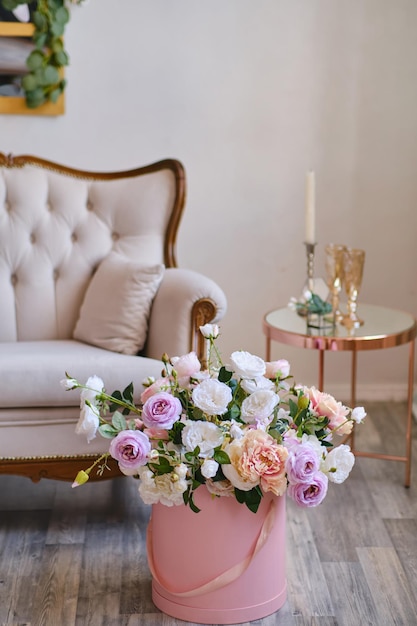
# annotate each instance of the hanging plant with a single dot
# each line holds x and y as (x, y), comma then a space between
(44, 81)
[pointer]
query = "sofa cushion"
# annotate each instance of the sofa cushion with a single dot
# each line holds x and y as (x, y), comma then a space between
(31, 371)
(114, 313)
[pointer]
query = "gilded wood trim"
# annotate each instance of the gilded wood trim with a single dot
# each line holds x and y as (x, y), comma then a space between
(175, 166)
(55, 467)
(203, 312)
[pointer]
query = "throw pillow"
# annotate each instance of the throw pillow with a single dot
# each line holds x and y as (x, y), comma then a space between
(115, 311)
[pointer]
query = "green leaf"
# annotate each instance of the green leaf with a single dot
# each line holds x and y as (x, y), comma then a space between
(35, 98)
(40, 20)
(57, 29)
(234, 411)
(293, 408)
(224, 375)
(54, 95)
(35, 60)
(40, 40)
(240, 495)
(62, 15)
(29, 82)
(50, 76)
(119, 421)
(60, 58)
(128, 393)
(221, 457)
(197, 414)
(108, 431)
(9, 5)
(192, 505)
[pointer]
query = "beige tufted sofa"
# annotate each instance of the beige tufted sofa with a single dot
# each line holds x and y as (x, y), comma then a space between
(88, 279)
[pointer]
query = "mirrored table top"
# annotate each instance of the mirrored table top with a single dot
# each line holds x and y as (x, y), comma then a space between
(383, 328)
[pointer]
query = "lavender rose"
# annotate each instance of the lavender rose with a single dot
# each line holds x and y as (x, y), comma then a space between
(312, 494)
(131, 449)
(161, 410)
(302, 464)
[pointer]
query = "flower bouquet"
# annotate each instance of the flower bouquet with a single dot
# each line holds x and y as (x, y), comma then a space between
(242, 429)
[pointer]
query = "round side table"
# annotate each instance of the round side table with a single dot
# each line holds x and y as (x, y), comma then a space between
(383, 328)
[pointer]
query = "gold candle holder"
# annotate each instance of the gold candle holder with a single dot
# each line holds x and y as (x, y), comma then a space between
(309, 284)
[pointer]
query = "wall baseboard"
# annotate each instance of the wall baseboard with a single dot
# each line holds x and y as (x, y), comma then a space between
(394, 392)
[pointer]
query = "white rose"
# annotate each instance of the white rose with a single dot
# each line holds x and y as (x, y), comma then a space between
(209, 468)
(166, 489)
(259, 406)
(338, 464)
(253, 384)
(95, 386)
(247, 365)
(205, 435)
(210, 331)
(358, 414)
(69, 383)
(88, 423)
(235, 430)
(212, 396)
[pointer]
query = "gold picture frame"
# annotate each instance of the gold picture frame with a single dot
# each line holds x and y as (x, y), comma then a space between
(16, 105)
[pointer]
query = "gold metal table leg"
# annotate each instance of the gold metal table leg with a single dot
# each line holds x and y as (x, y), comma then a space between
(409, 415)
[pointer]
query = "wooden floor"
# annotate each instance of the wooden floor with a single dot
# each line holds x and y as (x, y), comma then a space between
(76, 557)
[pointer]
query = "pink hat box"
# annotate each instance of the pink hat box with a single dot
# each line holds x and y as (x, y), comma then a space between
(223, 565)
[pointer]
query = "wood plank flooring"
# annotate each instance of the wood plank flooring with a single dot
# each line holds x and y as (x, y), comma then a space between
(76, 557)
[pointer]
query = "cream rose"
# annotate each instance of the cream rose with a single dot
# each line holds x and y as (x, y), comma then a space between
(247, 365)
(259, 406)
(212, 396)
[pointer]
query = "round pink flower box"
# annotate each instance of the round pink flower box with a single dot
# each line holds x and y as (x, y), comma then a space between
(223, 565)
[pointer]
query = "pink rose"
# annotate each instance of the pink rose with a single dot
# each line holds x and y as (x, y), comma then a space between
(281, 367)
(161, 410)
(157, 434)
(325, 405)
(302, 464)
(187, 365)
(309, 494)
(130, 448)
(155, 387)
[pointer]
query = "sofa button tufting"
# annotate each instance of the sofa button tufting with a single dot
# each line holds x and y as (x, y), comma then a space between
(115, 236)
(89, 205)
(32, 238)
(56, 274)
(13, 279)
(74, 237)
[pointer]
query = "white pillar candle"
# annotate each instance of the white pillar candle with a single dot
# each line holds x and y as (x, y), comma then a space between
(310, 209)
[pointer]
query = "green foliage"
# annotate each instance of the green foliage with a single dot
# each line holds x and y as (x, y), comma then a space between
(44, 82)
(251, 498)
(122, 398)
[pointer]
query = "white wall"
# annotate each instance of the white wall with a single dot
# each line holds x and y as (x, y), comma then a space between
(250, 95)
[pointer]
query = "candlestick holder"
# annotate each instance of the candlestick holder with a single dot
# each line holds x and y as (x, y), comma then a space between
(311, 303)
(308, 288)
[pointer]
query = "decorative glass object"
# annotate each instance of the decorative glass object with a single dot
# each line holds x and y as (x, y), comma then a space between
(353, 261)
(334, 263)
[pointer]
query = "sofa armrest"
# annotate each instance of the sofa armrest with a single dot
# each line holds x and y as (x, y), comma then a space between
(185, 300)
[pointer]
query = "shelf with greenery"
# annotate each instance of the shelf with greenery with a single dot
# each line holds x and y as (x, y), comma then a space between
(44, 82)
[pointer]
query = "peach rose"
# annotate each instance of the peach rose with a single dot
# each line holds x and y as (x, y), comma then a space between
(257, 459)
(325, 405)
